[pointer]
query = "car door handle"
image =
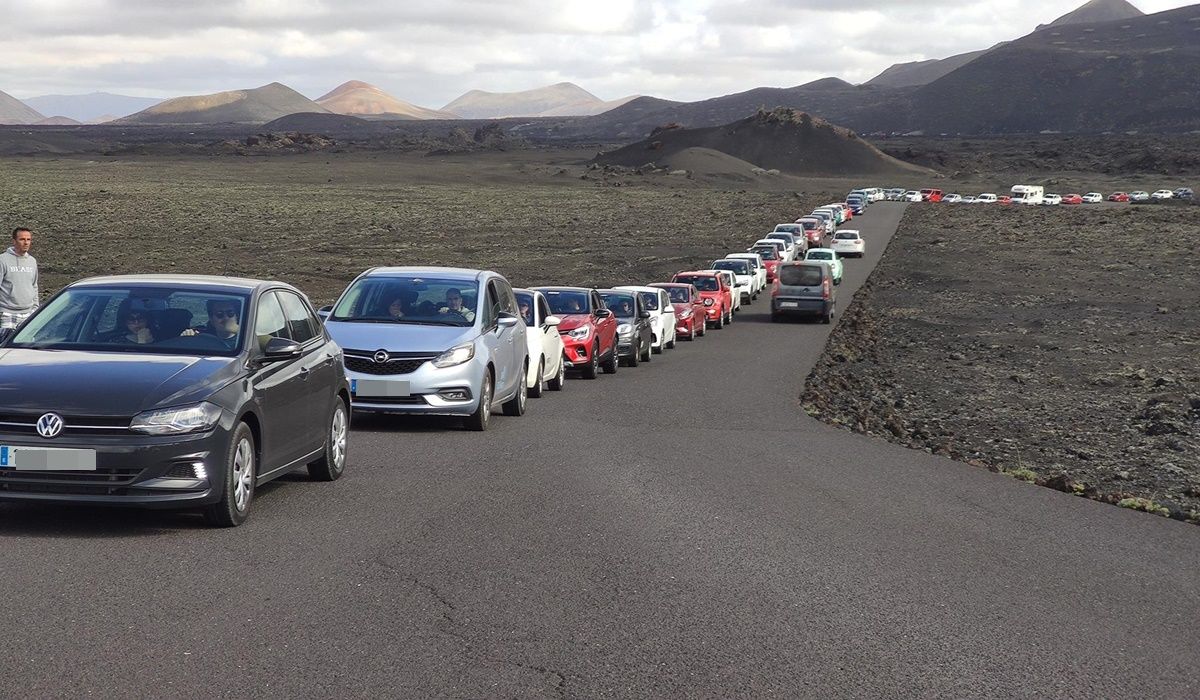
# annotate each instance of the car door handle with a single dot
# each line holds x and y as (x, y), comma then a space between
(304, 372)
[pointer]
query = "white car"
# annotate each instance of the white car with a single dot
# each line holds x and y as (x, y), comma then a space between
(731, 282)
(986, 198)
(827, 218)
(952, 199)
(760, 269)
(546, 366)
(1052, 199)
(1162, 194)
(968, 199)
(838, 215)
(1093, 198)
(662, 315)
(1139, 196)
(742, 273)
(912, 196)
(849, 243)
(779, 245)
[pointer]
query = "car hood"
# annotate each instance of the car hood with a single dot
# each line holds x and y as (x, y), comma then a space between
(681, 308)
(572, 321)
(107, 384)
(398, 337)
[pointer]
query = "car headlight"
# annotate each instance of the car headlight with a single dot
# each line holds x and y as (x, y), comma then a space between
(708, 301)
(455, 355)
(624, 329)
(580, 333)
(686, 313)
(176, 421)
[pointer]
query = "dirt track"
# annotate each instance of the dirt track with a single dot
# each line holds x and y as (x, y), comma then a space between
(1059, 344)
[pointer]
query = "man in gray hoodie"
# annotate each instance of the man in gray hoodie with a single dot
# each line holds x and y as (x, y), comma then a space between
(18, 280)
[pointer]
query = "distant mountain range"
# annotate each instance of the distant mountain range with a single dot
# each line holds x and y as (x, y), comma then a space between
(359, 99)
(256, 106)
(92, 108)
(14, 111)
(561, 100)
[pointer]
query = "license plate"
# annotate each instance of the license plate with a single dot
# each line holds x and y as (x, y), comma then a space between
(47, 459)
(789, 304)
(378, 387)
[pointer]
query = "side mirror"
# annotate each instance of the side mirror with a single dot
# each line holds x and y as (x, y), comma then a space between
(279, 349)
(603, 313)
(324, 312)
(551, 321)
(644, 314)
(507, 320)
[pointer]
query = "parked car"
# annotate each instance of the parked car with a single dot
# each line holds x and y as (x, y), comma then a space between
(1184, 193)
(775, 243)
(913, 196)
(967, 199)
(931, 195)
(896, 194)
(743, 276)
(152, 391)
(635, 336)
(844, 208)
(662, 315)
(849, 243)
(857, 204)
(547, 368)
(804, 289)
(770, 257)
(432, 340)
(952, 198)
(1092, 198)
(1072, 199)
(1162, 194)
(1118, 197)
(1139, 196)
(793, 248)
(689, 309)
(757, 266)
(730, 281)
(839, 216)
(826, 219)
(714, 294)
(1004, 199)
(796, 230)
(814, 230)
(588, 329)
(1051, 200)
(827, 255)
(986, 198)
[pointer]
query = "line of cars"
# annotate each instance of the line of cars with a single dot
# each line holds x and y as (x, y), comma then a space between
(201, 389)
(1021, 194)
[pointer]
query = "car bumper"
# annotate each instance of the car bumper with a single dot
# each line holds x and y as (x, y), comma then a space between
(428, 390)
(577, 353)
(800, 307)
(136, 470)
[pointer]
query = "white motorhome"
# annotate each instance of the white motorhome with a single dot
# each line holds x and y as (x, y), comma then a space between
(1028, 194)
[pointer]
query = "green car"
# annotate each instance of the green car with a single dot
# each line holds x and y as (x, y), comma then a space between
(827, 255)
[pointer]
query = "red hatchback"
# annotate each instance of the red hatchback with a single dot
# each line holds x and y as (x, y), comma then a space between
(1072, 199)
(1004, 199)
(716, 295)
(770, 256)
(689, 309)
(814, 230)
(588, 329)
(1118, 197)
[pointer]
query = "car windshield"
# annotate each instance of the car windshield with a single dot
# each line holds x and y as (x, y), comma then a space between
(649, 300)
(785, 237)
(620, 303)
(820, 255)
(525, 305)
(737, 267)
(704, 283)
(409, 299)
(789, 228)
(567, 301)
(679, 295)
(845, 236)
(800, 275)
(767, 252)
(143, 319)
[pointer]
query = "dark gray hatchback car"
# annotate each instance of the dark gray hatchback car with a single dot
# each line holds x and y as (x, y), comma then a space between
(170, 392)
(803, 289)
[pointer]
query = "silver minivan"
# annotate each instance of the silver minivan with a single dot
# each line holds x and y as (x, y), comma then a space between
(432, 340)
(803, 289)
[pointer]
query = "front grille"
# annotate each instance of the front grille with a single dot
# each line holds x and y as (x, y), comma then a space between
(401, 363)
(395, 400)
(102, 481)
(26, 424)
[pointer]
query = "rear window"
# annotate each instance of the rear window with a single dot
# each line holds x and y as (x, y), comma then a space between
(800, 275)
(845, 236)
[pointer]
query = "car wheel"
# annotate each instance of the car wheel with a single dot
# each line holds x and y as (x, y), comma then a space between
(539, 386)
(238, 489)
(560, 379)
(331, 464)
(658, 350)
(703, 328)
(635, 356)
(483, 412)
(720, 321)
(592, 370)
(647, 351)
(516, 405)
(671, 345)
(613, 362)
(828, 317)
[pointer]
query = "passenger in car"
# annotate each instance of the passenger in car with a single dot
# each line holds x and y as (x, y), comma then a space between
(396, 309)
(526, 311)
(136, 325)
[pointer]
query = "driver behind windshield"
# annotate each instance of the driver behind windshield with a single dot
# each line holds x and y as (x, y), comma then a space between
(222, 323)
(622, 307)
(454, 305)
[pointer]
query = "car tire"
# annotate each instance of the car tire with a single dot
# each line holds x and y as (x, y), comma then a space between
(720, 321)
(828, 317)
(333, 461)
(478, 421)
(516, 405)
(560, 379)
(657, 350)
(703, 328)
(634, 357)
(592, 370)
(671, 345)
(539, 387)
(613, 363)
(237, 491)
(647, 352)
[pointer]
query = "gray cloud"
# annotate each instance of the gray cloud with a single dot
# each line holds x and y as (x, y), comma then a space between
(430, 52)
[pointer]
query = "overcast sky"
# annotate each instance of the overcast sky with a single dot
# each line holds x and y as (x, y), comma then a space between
(429, 52)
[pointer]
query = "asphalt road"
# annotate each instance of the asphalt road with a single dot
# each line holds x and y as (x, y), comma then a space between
(680, 529)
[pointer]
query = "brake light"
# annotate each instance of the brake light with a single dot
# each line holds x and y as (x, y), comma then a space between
(826, 289)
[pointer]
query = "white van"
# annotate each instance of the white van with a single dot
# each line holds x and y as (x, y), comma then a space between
(1028, 194)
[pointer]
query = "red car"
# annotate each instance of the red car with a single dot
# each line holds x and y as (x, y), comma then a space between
(770, 256)
(1004, 199)
(1072, 199)
(931, 195)
(1118, 197)
(588, 329)
(716, 295)
(814, 230)
(689, 309)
